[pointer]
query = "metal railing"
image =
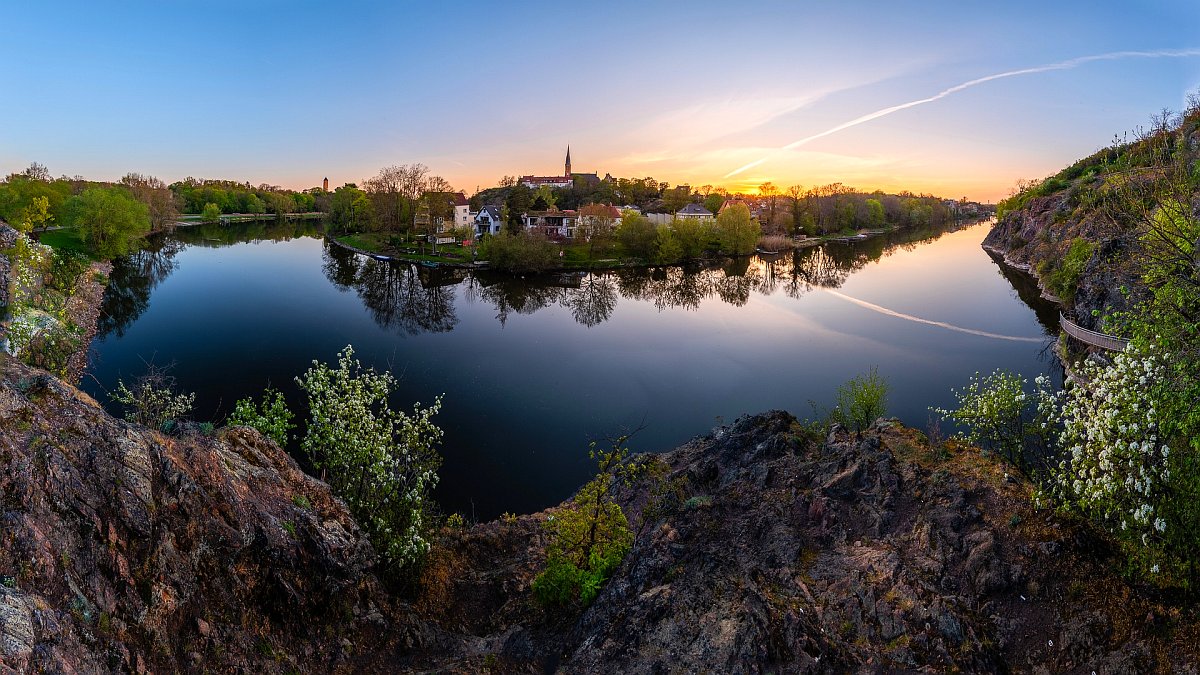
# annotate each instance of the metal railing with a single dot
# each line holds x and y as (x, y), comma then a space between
(1091, 337)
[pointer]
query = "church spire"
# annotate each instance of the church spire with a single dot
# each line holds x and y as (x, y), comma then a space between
(568, 169)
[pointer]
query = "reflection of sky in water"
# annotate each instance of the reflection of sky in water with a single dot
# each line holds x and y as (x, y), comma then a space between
(522, 399)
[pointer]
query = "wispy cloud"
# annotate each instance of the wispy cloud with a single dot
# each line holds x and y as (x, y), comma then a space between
(1061, 65)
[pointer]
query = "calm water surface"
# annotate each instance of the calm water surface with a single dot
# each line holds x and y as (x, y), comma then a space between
(533, 369)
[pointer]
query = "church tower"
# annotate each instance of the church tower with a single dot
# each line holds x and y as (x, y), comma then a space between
(568, 170)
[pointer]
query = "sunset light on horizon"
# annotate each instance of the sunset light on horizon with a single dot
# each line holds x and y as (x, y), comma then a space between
(943, 99)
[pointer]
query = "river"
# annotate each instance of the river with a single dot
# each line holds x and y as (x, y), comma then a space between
(533, 369)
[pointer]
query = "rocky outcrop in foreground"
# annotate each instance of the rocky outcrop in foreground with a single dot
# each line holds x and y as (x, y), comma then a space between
(759, 548)
(125, 550)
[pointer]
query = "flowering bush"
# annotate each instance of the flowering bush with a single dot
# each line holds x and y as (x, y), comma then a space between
(382, 462)
(1119, 468)
(998, 415)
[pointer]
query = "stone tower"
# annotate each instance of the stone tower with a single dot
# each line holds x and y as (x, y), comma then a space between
(568, 169)
(325, 184)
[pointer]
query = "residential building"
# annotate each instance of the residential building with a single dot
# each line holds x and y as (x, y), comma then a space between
(554, 224)
(488, 221)
(590, 212)
(694, 210)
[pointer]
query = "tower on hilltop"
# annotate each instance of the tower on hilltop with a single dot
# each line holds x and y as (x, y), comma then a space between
(325, 184)
(568, 170)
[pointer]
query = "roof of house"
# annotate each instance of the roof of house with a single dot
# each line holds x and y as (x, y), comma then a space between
(613, 212)
(545, 179)
(460, 199)
(492, 211)
(694, 209)
(730, 202)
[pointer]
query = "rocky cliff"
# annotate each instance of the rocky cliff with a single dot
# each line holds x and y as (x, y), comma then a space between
(1079, 231)
(759, 548)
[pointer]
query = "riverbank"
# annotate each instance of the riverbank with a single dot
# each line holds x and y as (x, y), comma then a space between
(60, 323)
(360, 243)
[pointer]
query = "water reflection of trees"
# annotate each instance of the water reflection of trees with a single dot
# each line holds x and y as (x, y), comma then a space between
(215, 235)
(509, 295)
(133, 278)
(594, 301)
(399, 296)
(413, 299)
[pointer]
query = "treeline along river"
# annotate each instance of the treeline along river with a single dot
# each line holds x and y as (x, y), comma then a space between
(534, 368)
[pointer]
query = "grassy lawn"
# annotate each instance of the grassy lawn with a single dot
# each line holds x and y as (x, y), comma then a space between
(69, 239)
(379, 242)
(364, 241)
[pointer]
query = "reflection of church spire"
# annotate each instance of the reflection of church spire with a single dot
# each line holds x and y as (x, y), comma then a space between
(567, 172)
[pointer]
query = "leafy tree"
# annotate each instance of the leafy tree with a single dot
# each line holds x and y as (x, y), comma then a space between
(255, 205)
(351, 210)
(381, 462)
(156, 195)
(637, 235)
(112, 221)
(999, 416)
(668, 249)
(875, 215)
(675, 199)
(738, 234)
(713, 202)
(211, 213)
(37, 215)
(544, 198)
(693, 236)
(595, 226)
(518, 203)
(590, 536)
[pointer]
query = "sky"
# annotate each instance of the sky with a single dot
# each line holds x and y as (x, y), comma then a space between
(287, 93)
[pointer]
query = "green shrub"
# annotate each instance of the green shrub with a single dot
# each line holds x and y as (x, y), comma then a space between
(271, 417)
(861, 400)
(153, 400)
(1062, 277)
(590, 536)
(66, 271)
(211, 213)
(521, 252)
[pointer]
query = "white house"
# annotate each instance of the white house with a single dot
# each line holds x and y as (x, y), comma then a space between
(462, 210)
(487, 221)
(693, 211)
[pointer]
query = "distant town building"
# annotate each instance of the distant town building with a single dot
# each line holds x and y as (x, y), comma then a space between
(325, 184)
(693, 211)
(566, 180)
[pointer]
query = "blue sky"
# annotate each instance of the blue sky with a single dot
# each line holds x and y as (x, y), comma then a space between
(287, 93)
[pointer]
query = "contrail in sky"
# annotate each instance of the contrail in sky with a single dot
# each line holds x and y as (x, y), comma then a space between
(940, 324)
(1061, 65)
